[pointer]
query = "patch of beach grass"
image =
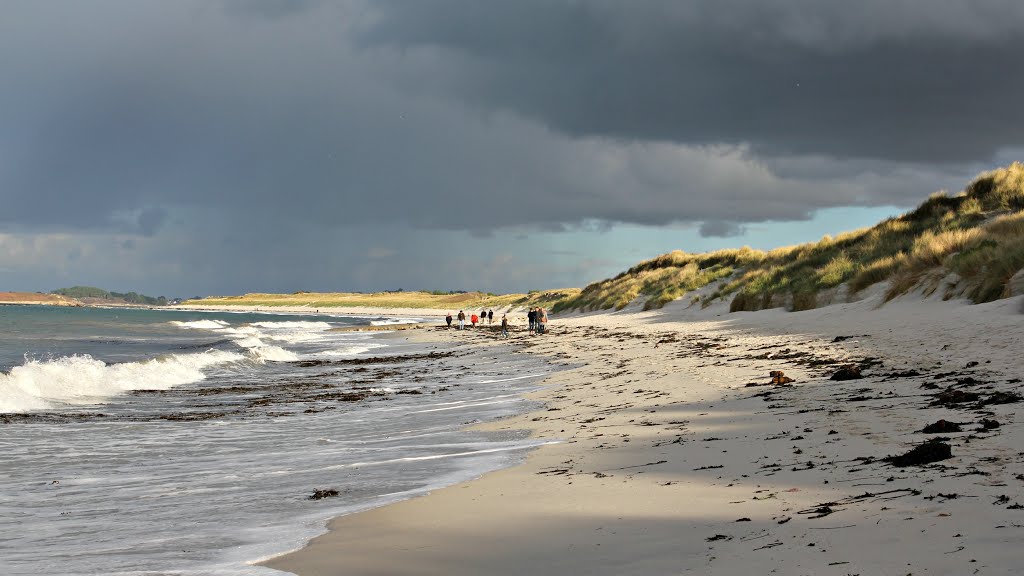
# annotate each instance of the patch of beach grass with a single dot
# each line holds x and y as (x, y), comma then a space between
(977, 234)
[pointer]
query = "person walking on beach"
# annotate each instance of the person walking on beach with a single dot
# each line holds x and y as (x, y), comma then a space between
(542, 320)
(504, 326)
(473, 320)
(490, 316)
(448, 319)
(462, 320)
(532, 317)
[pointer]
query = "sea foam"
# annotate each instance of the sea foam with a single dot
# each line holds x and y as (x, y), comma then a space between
(82, 379)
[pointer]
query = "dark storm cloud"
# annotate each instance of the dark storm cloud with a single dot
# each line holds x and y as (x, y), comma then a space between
(914, 80)
(523, 115)
(720, 229)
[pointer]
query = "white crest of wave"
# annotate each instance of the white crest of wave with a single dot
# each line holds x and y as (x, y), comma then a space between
(351, 350)
(201, 324)
(265, 352)
(391, 321)
(250, 338)
(39, 385)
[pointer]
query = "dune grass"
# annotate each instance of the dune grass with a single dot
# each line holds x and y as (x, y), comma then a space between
(977, 234)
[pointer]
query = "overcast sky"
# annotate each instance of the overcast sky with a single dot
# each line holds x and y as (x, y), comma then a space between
(215, 147)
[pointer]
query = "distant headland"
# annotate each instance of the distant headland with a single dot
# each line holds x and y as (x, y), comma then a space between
(83, 296)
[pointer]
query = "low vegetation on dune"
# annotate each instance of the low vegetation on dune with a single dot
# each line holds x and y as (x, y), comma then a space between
(396, 299)
(968, 245)
(92, 295)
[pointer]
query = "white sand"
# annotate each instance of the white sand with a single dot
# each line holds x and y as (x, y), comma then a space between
(664, 451)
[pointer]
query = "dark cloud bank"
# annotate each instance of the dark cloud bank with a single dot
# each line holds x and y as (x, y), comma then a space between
(464, 116)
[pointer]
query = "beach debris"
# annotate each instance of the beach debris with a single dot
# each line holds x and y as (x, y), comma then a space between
(819, 512)
(903, 374)
(642, 465)
(987, 424)
(373, 360)
(951, 396)
(717, 537)
(743, 519)
(941, 427)
(1001, 398)
(191, 416)
(844, 338)
(848, 372)
(321, 493)
(932, 451)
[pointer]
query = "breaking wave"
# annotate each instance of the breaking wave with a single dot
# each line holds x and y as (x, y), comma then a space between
(76, 380)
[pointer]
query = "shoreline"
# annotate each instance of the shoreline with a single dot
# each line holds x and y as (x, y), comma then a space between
(670, 463)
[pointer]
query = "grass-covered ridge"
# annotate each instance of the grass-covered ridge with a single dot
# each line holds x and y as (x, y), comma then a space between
(433, 300)
(978, 235)
(92, 294)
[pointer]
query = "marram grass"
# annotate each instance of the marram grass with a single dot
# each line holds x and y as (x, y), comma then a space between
(977, 234)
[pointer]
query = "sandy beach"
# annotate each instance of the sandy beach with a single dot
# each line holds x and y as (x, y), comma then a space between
(673, 452)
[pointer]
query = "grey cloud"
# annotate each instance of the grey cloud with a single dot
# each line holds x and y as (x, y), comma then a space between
(150, 220)
(909, 80)
(585, 113)
(272, 9)
(721, 229)
(223, 135)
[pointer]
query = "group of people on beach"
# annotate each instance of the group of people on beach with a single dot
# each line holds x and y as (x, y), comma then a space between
(538, 319)
(473, 319)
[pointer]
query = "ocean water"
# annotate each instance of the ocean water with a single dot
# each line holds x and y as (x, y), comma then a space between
(170, 442)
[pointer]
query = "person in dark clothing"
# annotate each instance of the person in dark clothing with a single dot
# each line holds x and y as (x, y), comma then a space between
(448, 319)
(532, 317)
(490, 316)
(504, 326)
(462, 320)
